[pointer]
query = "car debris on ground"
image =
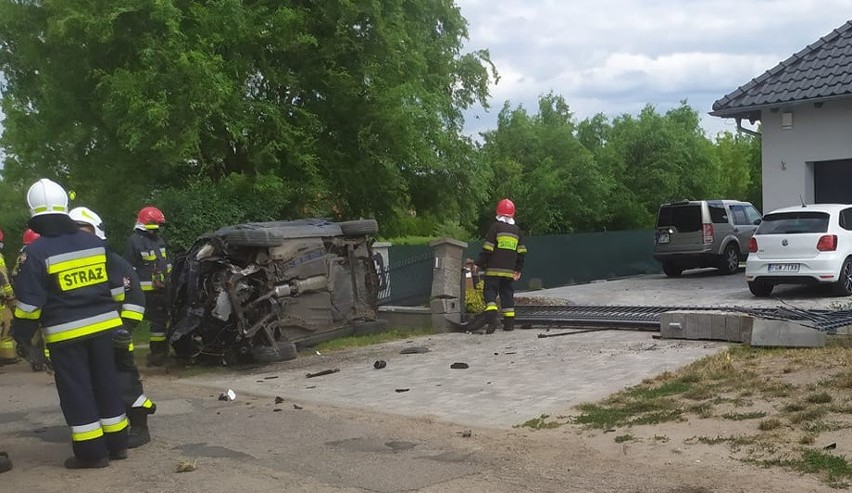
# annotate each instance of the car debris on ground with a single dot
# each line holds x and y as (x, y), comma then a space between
(322, 373)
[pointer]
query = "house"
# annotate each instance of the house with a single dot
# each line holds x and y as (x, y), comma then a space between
(804, 106)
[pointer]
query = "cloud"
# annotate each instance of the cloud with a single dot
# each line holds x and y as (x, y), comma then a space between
(615, 57)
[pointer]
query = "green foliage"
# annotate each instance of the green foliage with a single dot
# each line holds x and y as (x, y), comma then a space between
(540, 423)
(204, 205)
(353, 109)
(474, 299)
(371, 339)
(537, 161)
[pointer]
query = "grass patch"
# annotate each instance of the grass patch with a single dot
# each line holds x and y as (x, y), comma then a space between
(141, 333)
(703, 410)
(735, 442)
(744, 416)
(370, 339)
(819, 398)
(624, 438)
(791, 418)
(539, 423)
(836, 468)
(794, 407)
(808, 415)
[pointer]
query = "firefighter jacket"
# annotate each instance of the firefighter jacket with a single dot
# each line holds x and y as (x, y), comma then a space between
(146, 252)
(6, 291)
(132, 300)
(67, 285)
(503, 251)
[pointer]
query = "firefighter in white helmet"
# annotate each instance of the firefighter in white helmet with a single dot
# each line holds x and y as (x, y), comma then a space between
(132, 309)
(66, 286)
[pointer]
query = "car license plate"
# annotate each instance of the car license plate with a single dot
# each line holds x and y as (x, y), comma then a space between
(663, 238)
(783, 267)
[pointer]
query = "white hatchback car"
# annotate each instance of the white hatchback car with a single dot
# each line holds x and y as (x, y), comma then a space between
(809, 244)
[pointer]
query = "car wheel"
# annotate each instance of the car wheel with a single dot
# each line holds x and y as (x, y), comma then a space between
(361, 227)
(730, 261)
(843, 287)
(672, 270)
(760, 288)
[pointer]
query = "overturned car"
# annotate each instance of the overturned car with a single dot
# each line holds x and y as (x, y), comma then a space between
(250, 292)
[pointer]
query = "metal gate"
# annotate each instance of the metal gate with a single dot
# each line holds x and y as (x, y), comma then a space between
(407, 279)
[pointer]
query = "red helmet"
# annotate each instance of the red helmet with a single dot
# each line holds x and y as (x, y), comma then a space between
(150, 217)
(2, 236)
(506, 208)
(30, 236)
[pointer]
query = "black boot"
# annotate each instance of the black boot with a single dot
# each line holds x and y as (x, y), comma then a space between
(139, 434)
(492, 322)
(78, 463)
(508, 323)
(475, 324)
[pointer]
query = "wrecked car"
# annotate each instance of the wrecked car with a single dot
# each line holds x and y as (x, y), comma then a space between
(250, 292)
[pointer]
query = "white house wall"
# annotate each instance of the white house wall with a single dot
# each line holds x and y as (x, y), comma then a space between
(817, 134)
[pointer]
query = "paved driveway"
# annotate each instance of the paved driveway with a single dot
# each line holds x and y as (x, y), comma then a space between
(512, 376)
(702, 287)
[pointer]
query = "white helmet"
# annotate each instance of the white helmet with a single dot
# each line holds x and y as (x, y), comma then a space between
(47, 197)
(84, 215)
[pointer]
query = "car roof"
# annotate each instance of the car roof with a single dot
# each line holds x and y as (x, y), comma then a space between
(829, 208)
(688, 202)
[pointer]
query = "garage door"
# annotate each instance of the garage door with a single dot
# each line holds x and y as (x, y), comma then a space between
(832, 181)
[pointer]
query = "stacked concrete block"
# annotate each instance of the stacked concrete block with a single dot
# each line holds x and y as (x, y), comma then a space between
(707, 325)
(713, 325)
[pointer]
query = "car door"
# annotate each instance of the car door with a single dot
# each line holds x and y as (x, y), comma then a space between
(744, 226)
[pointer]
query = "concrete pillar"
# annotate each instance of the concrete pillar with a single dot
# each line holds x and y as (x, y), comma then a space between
(446, 297)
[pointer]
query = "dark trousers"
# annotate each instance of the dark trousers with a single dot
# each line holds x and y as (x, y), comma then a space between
(132, 392)
(504, 287)
(157, 315)
(88, 388)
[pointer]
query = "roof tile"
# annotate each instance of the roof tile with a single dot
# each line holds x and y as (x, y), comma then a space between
(822, 69)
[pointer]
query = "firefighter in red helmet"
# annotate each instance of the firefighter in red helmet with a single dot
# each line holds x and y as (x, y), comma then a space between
(502, 259)
(146, 252)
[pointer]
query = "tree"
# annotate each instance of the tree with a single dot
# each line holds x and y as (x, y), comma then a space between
(539, 163)
(351, 108)
(656, 158)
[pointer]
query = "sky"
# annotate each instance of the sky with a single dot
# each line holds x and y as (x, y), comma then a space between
(614, 57)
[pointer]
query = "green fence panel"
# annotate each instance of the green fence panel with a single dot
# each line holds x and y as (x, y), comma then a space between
(560, 260)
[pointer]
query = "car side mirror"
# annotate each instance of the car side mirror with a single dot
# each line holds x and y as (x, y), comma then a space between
(757, 222)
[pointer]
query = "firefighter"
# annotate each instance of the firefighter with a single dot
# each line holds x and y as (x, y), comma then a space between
(146, 252)
(66, 285)
(36, 363)
(7, 301)
(502, 259)
(28, 237)
(132, 309)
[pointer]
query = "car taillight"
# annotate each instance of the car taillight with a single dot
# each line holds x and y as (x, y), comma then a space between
(752, 245)
(827, 243)
(707, 229)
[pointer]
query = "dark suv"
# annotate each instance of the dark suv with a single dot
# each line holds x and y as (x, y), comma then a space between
(704, 233)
